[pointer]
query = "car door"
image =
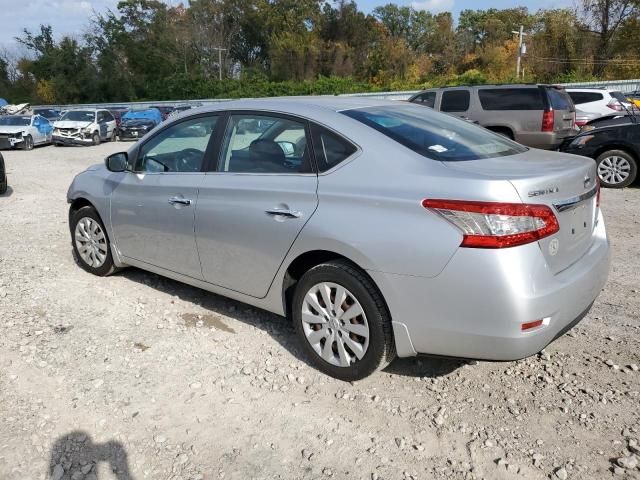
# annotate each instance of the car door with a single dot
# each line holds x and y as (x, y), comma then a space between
(253, 206)
(153, 206)
(456, 102)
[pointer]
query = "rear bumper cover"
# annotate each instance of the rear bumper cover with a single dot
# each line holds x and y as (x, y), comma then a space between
(476, 306)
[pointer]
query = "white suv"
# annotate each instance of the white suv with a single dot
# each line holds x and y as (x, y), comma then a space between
(600, 101)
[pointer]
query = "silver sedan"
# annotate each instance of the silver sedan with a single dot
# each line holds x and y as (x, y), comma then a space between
(381, 229)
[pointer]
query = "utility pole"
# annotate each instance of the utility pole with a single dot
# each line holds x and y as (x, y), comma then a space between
(220, 50)
(520, 34)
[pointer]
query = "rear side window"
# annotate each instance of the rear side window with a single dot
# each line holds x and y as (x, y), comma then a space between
(585, 97)
(511, 99)
(330, 149)
(619, 96)
(428, 99)
(455, 101)
(559, 99)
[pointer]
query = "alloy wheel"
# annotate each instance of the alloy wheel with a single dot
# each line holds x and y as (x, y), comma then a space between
(335, 324)
(91, 242)
(614, 169)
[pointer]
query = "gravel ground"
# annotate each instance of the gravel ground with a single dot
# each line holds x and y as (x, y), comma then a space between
(137, 376)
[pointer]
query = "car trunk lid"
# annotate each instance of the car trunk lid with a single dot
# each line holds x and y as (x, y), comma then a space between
(565, 183)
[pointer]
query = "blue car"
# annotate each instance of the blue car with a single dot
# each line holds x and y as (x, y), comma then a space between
(135, 124)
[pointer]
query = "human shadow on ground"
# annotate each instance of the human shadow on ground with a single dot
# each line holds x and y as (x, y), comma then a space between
(279, 328)
(75, 455)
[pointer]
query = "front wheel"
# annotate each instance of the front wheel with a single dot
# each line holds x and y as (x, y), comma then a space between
(616, 169)
(342, 321)
(96, 138)
(90, 242)
(27, 143)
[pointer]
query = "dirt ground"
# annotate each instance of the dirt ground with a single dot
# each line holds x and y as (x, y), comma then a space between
(137, 376)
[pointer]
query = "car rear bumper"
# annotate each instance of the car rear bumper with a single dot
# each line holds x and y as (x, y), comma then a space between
(476, 307)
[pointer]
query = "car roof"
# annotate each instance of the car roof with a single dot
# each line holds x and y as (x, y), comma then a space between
(302, 103)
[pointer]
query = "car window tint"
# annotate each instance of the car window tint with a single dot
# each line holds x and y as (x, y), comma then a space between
(264, 144)
(329, 148)
(434, 135)
(559, 99)
(619, 96)
(427, 99)
(511, 99)
(455, 101)
(585, 97)
(179, 148)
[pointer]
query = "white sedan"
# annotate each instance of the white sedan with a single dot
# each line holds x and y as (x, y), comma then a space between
(24, 131)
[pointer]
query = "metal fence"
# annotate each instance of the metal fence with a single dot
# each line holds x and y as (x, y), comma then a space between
(625, 86)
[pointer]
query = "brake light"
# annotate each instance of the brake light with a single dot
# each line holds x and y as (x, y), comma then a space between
(615, 105)
(547, 121)
(494, 224)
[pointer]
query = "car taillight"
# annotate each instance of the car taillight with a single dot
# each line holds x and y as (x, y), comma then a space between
(547, 121)
(494, 224)
(615, 105)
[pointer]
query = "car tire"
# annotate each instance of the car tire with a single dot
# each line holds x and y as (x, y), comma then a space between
(4, 185)
(96, 138)
(359, 345)
(616, 169)
(90, 242)
(113, 137)
(27, 143)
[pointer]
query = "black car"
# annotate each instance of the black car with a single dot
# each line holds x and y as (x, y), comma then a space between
(135, 128)
(3, 177)
(615, 146)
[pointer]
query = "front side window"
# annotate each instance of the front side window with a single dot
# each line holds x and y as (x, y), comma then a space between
(434, 135)
(179, 148)
(455, 101)
(428, 99)
(330, 149)
(264, 144)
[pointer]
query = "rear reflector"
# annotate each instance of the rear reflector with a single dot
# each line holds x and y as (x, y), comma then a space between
(531, 325)
(547, 121)
(494, 224)
(598, 193)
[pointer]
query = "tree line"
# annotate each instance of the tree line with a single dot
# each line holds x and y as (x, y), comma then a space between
(147, 49)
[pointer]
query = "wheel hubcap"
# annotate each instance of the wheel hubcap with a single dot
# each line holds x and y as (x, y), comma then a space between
(614, 169)
(335, 324)
(91, 242)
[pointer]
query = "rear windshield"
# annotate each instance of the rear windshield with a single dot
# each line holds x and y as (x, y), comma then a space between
(435, 135)
(619, 96)
(511, 98)
(560, 100)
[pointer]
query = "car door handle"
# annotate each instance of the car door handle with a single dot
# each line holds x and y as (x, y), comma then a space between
(284, 213)
(179, 201)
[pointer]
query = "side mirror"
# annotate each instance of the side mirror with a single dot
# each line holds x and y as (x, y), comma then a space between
(288, 148)
(118, 162)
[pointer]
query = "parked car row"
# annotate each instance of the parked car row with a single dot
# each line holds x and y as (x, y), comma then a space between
(596, 122)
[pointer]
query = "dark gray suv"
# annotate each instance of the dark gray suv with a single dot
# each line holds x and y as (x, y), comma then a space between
(539, 116)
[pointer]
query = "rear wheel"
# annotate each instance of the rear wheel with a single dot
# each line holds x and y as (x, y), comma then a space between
(342, 321)
(90, 242)
(616, 169)
(113, 136)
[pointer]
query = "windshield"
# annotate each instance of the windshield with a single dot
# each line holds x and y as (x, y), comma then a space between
(15, 121)
(435, 135)
(79, 116)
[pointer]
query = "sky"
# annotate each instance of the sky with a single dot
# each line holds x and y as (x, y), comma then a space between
(70, 17)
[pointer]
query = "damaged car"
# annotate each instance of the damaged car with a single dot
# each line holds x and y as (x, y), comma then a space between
(24, 131)
(136, 124)
(84, 127)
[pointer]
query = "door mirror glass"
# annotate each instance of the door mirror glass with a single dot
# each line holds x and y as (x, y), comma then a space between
(117, 162)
